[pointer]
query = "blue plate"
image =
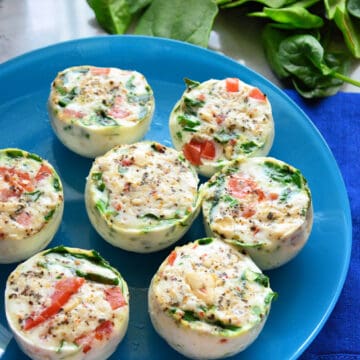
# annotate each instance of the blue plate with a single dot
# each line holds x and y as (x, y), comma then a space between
(308, 286)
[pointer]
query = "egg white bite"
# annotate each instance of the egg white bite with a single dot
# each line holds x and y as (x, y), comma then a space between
(142, 197)
(67, 303)
(209, 300)
(31, 204)
(261, 204)
(92, 109)
(217, 121)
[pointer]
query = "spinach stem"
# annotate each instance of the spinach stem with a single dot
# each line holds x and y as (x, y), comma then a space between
(346, 79)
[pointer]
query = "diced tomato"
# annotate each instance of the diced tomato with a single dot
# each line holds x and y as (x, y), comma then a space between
(43, 172)
(24, 218)
(73, 113)
(232, 84)
(115, 297)
(241, 187)
(192, 152)
(126, 162)
(99, 71)
(118, 113)
(273, 196)
(255, 93)
(64, 289)
(104, 330)
(20, 180)
(172, 258)
(5, 194)
(219, 118)
(208, 150)
(201, 97)
(195, 150)
(249, 212)
(85, 341)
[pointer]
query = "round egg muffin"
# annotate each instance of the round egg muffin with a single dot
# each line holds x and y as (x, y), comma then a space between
(92, 109)
(261, 204)
(218, 121)
(209, 300)
(142, 197)
(31, 204)
(67, 303)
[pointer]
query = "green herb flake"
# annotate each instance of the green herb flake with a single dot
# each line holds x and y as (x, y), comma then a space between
(56, 184)
(34, 157)
(49, 215)
(205, 241)
(284, 174)
(14, 153)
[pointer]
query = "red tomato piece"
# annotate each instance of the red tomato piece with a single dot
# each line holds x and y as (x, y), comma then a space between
(43, 172)
(249, 212)
(104, 330)
(273, 196)
(126, 162)
(118, 113)
(73, 113)
(24, 218)
(241, 187)
(255, 93)
(99, 71)
(19, 180)
(115, 297)
(232, 84)
(192, 152)
(172, 258)
(64, 289)
(85, 341)
(208, 150)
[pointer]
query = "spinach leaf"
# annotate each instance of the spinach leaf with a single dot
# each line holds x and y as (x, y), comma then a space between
(292, 17)
(349, 28)
(313, 72)
(271, 39)
(186, 20)
(270, 3)
(353, 7)
(113, 15)
(136, 5)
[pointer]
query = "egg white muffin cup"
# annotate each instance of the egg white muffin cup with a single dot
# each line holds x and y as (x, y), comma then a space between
(192, 123)
(84, 136)
(37, 348)
(142, 239)
(276, 247)
(206, 338)
(17, 248)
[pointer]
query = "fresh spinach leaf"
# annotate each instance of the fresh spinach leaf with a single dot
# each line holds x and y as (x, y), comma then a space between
(291, 17)
(349, 28)
(186, 20)
(114, 16)
(271, 39)
(269, 3)
(353, 7)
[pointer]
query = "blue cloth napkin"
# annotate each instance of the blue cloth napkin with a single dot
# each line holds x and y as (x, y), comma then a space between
(338, 119)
